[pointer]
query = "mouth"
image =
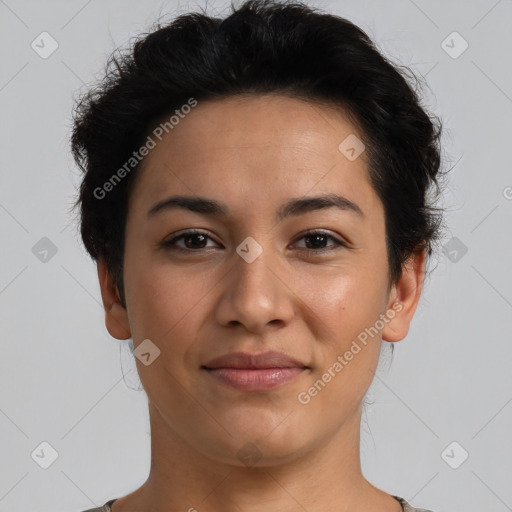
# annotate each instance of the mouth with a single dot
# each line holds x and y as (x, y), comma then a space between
(255, 372)
(261, 379)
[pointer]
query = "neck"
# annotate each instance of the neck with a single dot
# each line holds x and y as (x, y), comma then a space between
(325, 478)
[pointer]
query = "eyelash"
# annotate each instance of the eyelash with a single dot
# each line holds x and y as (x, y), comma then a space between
(171, 244)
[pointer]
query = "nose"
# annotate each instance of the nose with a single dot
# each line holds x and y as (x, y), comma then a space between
(256, 294)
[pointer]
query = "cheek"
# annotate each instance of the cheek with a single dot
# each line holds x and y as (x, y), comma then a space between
(344, 307)
(165, 307)
(161, 296)
(344, 301)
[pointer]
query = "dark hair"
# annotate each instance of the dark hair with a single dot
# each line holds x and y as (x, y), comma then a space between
(263, 46)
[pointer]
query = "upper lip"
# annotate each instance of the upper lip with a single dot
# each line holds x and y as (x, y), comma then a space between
(270, 359)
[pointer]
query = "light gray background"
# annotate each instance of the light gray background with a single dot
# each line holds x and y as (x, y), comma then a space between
(61, 377)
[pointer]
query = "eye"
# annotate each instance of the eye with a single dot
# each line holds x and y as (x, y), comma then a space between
(196, 240)
(191, 239)
(316, 236)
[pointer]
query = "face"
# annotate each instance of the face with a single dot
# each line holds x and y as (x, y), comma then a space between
(252, 279)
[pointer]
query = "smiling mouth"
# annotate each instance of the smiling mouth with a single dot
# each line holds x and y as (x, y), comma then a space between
(255, 379)
(250, 371)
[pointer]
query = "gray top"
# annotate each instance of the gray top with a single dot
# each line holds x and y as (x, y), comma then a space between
(405, 507)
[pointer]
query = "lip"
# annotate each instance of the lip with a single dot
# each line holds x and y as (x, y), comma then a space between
(270, 359)
(255, 372)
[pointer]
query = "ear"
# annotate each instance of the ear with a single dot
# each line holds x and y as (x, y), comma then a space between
(116, 317)
(404, 297)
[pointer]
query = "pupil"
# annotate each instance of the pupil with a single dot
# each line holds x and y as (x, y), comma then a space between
(316, 237)
(191, 237)
(309, 237)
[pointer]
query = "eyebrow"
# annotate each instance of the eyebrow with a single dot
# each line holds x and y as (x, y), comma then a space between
(293, 207)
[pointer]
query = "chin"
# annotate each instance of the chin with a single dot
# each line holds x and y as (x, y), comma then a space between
(247, 454)
(259, 444)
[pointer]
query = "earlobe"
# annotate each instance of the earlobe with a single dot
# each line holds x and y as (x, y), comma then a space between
(116, 317)
(404, 298)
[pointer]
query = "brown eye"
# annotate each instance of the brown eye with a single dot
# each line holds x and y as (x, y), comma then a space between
(317, 240)
(193, 241)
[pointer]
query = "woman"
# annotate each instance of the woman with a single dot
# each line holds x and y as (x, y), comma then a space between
(256, 197)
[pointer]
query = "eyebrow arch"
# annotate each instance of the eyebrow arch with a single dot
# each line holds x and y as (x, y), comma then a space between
(293, 207)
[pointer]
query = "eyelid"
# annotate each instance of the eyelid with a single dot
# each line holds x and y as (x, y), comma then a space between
(338, 243)
(186, 232)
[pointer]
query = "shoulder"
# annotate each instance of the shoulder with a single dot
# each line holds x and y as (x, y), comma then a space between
(407, 508)
(104, 508)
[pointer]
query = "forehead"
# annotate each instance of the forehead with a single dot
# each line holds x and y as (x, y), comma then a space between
(255, 151)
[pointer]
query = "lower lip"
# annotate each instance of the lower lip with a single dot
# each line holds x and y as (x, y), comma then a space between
(260, 379)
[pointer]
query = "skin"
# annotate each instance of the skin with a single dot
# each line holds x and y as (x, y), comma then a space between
(254, 153)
